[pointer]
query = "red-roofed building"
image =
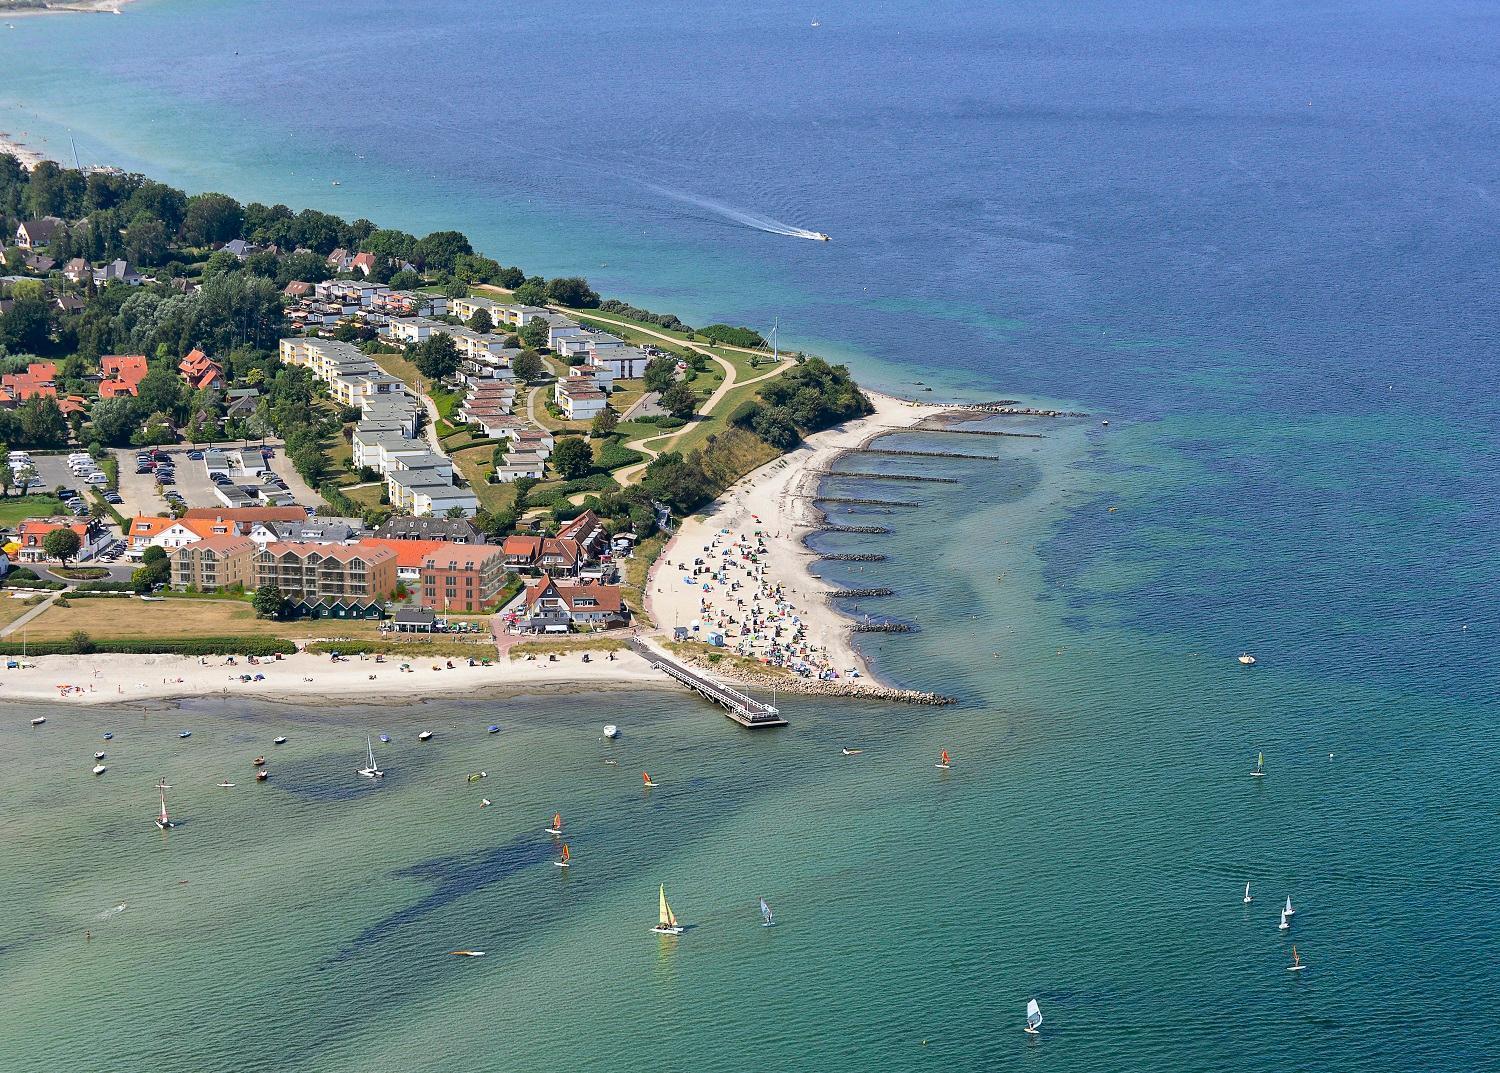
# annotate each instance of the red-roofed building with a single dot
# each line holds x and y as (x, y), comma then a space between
(363, 263)
(93, 536)
(555, 607)
(329, 580)
(409, 555)
(38, 380)
(200, 370)
(214, 562)
(462, 577)
(122, 373)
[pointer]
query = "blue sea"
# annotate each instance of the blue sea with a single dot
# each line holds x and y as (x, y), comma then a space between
(1257, 239)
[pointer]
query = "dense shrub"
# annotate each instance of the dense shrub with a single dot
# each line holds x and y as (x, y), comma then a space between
(195, 646)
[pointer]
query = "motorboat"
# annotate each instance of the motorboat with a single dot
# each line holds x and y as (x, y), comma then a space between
(259, 761)
(262, 775)
(100, 769)
(39, 720)
(611, 731)
(385, 739)
(278, 741)
(98, 756)
(426, 735)
(184, 733)
(492, 729)
(1247, 659)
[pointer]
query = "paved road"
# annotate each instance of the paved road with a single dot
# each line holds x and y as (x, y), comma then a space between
(33, 613)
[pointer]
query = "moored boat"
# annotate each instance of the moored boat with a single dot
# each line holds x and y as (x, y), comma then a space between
(373, 770)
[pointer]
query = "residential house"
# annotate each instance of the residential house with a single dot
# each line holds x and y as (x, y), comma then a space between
(556, 556)
(77, 270)
(33, 234)
(122, 374)
(578, 398)
(93, 537)
(329, 580)
(213, 563)
(551, 606)
(448, 530)
(588, 531)
(462, 577)
(69, 303)
(201, 371)
(423, 491)
(39, 379)
(240, 402)
(363, 263)
(117, 271)
(297, 289)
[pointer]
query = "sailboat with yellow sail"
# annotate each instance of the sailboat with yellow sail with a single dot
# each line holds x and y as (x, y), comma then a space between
(1260, 766)
(556, 828)
(666, 919)
(566, 860)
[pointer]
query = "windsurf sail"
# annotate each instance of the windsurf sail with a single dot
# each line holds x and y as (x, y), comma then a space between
(765, 911)
(1033, 1016)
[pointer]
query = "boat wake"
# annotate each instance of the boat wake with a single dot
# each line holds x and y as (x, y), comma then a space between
(745, 219)
(112, 911)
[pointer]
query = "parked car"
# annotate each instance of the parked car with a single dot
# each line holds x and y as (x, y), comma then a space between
(196, 456)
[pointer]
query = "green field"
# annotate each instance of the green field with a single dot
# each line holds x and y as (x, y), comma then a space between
(16, 509)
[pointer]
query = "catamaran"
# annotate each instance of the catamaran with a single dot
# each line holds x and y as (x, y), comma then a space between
(666, 919)
(556, 828)
(565, 860)
(1260, 766)
(1296, 965)
(373, 771)
(943, 763)
(1033, 1017)
(766, 919)
(1289, 911)
(646, 778)
(1248, 899)
(161, 817)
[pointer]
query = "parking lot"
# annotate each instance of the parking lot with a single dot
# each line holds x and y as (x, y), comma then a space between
(191, 480)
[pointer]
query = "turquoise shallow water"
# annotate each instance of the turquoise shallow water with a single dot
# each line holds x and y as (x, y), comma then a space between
(1250, 237)
(1088, 848)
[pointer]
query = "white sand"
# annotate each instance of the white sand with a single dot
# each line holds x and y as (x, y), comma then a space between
(779, 495)
(307, 679)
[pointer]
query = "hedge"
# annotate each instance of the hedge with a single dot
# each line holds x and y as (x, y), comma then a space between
(481, 648)
(194, 646)
(613, 455)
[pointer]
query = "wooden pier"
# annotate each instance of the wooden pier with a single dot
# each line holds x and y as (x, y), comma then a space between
(744, 710)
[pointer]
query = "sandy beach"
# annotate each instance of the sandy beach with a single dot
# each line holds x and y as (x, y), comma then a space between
(64, 7)
(760, 522)
(28, 157)
(305, 678)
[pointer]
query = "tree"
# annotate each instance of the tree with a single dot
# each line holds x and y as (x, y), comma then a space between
(660, 372)
(572, 291)
(480, 321)
(510, 278)
(436, 356)
(455, 513)
(680, 483)
(7, 475)
(269, 602)
(679, 401)
(605, 422)
(40, 423)
(528, 365)
(146, 239)
(572, 458)
(438, 251)
(27, 327)
(532, 291)
(115, 419)
(61, 544)
(160, 390)
(212, 218)
(405, 280)
(536, 333)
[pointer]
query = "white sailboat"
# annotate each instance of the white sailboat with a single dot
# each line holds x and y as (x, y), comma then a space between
(1033, 1017)
(1260, 766)
(1248, 899)
(373, 771)
(1286, 922)
(1289, 911)
(766, 917)
(667, 920)
(162, 820)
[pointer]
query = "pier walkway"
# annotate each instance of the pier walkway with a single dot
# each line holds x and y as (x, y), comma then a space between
(744, 710)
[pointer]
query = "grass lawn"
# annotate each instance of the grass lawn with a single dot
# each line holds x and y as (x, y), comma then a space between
(474, 464)
(397, 365)
(117, 617)
(16, 509)
(367, 497)
(578, 642)
(12, 609)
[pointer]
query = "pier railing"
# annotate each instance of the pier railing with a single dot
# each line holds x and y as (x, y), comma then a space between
(743, 709)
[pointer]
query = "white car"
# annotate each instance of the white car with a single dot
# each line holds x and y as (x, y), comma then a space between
(96, 478)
